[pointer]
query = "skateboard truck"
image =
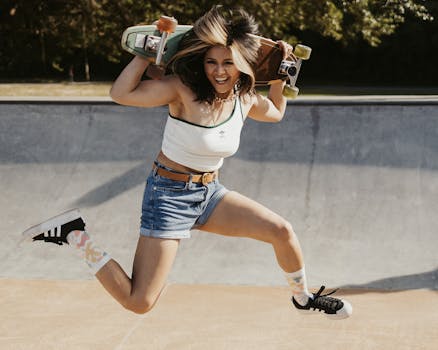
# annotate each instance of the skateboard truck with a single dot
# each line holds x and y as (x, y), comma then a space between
(292, 68)
(288, 68)
(149, 43)
(166, 25)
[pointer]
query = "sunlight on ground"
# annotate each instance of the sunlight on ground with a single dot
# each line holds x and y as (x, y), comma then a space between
(55, 89)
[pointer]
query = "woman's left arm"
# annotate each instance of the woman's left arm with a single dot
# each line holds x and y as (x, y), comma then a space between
(269, 109)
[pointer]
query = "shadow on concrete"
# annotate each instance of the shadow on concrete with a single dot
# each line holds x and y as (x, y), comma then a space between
(117, 186)
(426, 280)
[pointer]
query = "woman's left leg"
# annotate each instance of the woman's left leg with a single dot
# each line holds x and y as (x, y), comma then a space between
(238, 216)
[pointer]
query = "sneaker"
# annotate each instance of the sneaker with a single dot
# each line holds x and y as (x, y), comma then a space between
(56, 229)
(332, 307)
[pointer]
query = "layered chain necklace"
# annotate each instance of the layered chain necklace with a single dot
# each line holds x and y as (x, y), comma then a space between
(230, 98)
(217, 106)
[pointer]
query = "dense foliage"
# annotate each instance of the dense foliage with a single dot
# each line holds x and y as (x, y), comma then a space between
(54, 38)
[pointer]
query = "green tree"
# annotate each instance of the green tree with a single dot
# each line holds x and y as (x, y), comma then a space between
(341, 20)
(45, 37)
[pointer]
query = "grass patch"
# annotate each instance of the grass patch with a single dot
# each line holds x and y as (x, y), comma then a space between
(101, 89)
(55, 89)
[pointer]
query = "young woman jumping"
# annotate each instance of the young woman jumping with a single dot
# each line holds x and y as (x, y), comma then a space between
(209, 92)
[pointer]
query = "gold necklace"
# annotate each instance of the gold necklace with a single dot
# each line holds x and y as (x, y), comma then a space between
(221, 100)
(218, 103)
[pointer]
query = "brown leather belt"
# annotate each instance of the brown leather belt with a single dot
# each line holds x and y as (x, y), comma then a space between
(204, 178)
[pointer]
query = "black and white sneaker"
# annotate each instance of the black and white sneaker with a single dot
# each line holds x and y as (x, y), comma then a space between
(56, 229)
(332, 307)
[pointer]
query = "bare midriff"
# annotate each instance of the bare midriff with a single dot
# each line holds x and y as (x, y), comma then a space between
(161, 158)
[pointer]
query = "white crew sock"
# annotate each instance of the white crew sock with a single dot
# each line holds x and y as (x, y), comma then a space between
(95, 257)
(297, 281)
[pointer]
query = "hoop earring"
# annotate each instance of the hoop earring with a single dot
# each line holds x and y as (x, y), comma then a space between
(238, 85)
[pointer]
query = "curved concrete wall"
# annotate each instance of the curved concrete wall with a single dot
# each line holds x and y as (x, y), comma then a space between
(357, 180)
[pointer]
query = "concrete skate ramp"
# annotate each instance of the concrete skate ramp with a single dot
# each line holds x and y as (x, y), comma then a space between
(199, 317)
(357, 180)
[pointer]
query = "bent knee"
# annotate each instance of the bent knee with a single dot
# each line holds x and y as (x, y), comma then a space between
(284, 232)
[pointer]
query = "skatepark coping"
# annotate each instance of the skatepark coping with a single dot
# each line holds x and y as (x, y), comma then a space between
(301, 100)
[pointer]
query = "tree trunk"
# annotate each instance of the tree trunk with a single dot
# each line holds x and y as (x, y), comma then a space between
(85, 47)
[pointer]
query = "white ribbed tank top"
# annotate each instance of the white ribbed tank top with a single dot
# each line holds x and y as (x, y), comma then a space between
(202, 148)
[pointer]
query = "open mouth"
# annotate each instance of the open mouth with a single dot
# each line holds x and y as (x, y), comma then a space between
(221, 81)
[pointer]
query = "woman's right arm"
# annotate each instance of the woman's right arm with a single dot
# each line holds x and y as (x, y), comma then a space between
(130, 90)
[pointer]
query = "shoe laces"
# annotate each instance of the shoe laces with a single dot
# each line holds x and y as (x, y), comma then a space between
(324, 302)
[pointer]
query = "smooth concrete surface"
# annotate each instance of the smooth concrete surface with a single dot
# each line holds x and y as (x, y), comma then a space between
(356, 178)
(41, 315)
(358, 182)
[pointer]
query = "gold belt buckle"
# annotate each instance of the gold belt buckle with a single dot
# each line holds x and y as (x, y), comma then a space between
(206, 178)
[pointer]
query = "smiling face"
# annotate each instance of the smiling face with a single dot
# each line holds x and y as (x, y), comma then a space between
(220, 70)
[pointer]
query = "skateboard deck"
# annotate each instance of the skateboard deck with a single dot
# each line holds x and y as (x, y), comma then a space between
(160, 42)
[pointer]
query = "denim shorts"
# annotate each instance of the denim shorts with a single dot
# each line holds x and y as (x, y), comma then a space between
(171, 209)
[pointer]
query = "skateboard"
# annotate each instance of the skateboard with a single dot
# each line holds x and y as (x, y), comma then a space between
(159, 43)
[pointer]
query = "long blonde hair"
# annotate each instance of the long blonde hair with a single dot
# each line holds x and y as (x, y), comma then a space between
(234, 29)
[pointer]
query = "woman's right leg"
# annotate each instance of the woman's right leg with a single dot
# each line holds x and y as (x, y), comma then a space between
(153, 260)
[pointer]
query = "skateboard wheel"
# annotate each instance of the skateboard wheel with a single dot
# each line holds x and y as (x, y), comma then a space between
(167, 24)
(290, 91)
(302, 51)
